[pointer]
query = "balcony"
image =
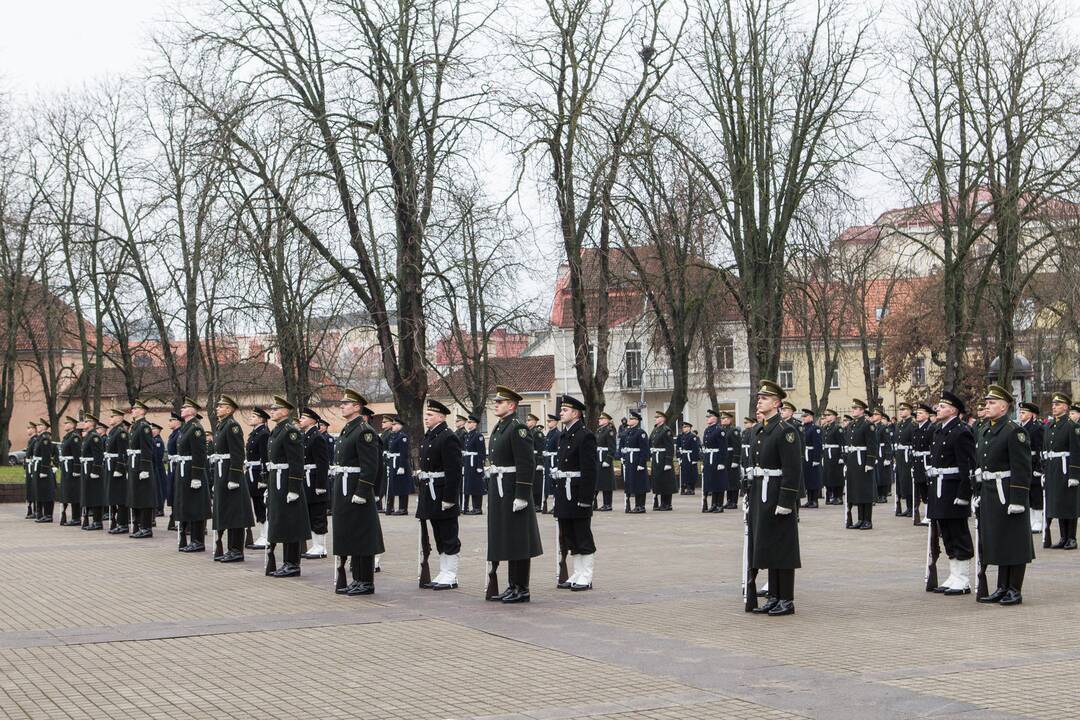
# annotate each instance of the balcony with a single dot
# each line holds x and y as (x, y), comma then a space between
(648, 380)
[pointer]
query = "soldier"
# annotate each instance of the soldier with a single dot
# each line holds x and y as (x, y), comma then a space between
(635, 453)
(191, 491)
(158, 471)
(716, 463)
(1032, 425)
(70, 448)
(287, 516)
(733, 468)
(921, 440)
(575, 483)
(116, 473)
(513, 535)
(774, 499)
(92, 471)
(888, 439)
(324, 429)
(255, 469)
(141, 494)
(28, 472)
(811, 458)
(233, 515)
(662, 451)
(44, 475)
(1004, 476)
(439, 484)
(175, 421)
(905, 479)
(860, 459)
(832, 457)
(688, 447)
(747, 445)
(386, 430)
(787, 415)
(399, 468)
(549, 454)
(532, 424)
(459, 426)
(606, 449)
(950, 469)
(356, 473)
(880, 479)
(316, 470)
(473, 457)
(1061, 473)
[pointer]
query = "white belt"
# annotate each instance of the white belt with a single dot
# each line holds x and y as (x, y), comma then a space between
(218, 458)
(307, 474)
(277, 469)
(765, 473)
(467, 453)
(1064, 455)
(940, 473)
(181, 460)
(906, 449)
(250, 466)
(568, 475)
(498, 471)
(133, 453)
(710, 452)
(345, 470)
(828, 448)
(1001, 476)
(858, 450)
(65, 459)
(656, 451)
(430, 477)
(630, 452)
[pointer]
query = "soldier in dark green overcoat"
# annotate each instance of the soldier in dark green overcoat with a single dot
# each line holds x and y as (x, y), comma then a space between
(286, 507)
(233, 514)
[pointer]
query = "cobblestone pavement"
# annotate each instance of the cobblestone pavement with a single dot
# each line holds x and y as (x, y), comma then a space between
(93, 626)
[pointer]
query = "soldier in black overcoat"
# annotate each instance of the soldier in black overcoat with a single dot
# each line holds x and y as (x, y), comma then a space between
(92, 473)
(193, 489)
(1061, 472)
(141, 486)
(536, 433)
(733, 467)
(438, 490)
(635, 454)
(316, 476)
(688, 451)
(116, 443)
(473, 457)
(715, 462)
(232, 499)
(255, 472)
(357, 533)
(70, 449)
(398, 467)
(605, 457)
(776, 469)
(45, 453)
(921, 440)
(28, 471)
(811, 442)
(902, 456)
(1032, 425)
(662, 456)
(1003, 454)
(513, 534)
(832, 457)
(860, 460)
(575, 482)
(286, 503)
(950, 473)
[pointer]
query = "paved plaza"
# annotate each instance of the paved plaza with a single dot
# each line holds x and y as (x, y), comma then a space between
(100, 626)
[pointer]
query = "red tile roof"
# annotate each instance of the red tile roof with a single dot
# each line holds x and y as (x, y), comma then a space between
(532, 374)
(900, 292)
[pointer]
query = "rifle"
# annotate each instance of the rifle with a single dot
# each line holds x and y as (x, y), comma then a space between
(932, 554)
(492, 592)
(749, 574)
(424, 552)
(1046, 523)
(339, 574)
(561, 573)
(980, 567)
(271, 561)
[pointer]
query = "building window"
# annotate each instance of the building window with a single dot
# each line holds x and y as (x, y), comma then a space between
(834, 379)
(787, 374)
(632, 364)
(725, 354)
(875, 370)
(522, 413)
(918, 372)
(881, 313)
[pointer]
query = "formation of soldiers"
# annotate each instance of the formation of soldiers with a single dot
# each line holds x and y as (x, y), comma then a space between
(279, 486)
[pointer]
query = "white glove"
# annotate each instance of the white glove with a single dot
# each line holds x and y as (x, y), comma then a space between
(605, 464)
(446, 505)
(401, 471)
(1073, 483)
(93, 476)
(584, 505)
(144, 475)
(888, 463)
(117, 473)
(869, 468)
(44, 475)
(1015, 509)
(320, 491)
(292, 497)
(196, 484)
(520, 505)
(976, 501)
(641, 467)
(667, 467)
(357, 500)
(233, 485)
(783, 510)
(260, 486)
(960, 501)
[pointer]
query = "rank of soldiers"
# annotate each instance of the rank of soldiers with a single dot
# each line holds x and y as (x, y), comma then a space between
(280, 485)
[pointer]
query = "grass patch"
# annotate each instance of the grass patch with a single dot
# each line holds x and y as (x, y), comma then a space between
(9, 474)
